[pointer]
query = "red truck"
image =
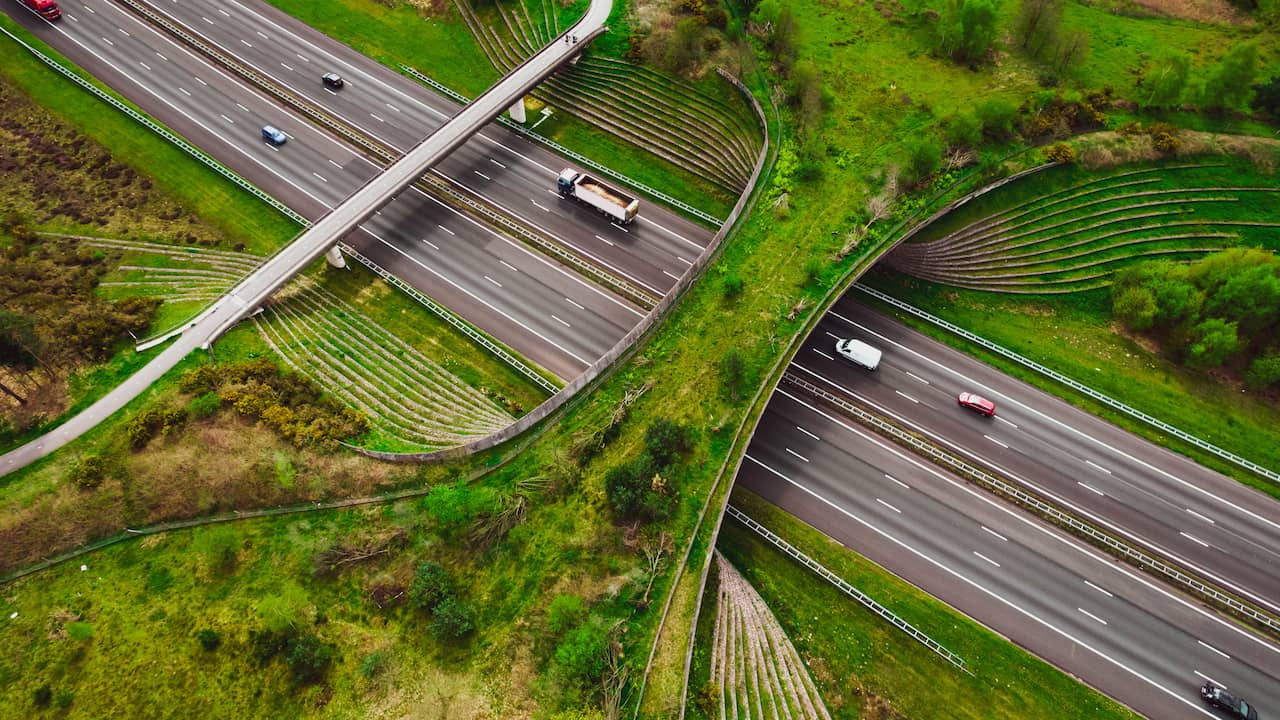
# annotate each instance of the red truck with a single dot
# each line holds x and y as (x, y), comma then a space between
(47, 9)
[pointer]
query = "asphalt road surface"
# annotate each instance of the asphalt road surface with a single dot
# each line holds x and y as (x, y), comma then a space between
(542, 310)
(1154, 497)
(1095, 618)
(242, 299)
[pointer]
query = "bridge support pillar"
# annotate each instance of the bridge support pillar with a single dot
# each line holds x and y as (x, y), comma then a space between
(517, 111)
(334, 257)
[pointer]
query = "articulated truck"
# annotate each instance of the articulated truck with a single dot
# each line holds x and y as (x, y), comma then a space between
(47, 9)
(589, 191)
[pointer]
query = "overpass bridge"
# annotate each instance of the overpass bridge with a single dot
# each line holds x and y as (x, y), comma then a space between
(246, 297)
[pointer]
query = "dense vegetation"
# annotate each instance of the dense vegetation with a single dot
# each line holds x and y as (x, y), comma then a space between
(1224, 308)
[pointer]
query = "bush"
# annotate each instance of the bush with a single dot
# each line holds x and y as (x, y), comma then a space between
(627, 487)
(733, 374)
(583, 653)
(209, 639)
(966, 30)
(963, 130)
(203, 406)
(997, 116)
(1264, 372)
(308, 659)
(1060, 153)
(152, 422)
(89, 472)
(42, 696)
(665, 440)
(565, 612)
(452, 619)
(374, 664)
(431, 586)
(732, 286)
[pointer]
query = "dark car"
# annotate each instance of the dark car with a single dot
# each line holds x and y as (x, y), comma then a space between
(274, 135)
(333, 80)
(1219, 698)
(977, 403)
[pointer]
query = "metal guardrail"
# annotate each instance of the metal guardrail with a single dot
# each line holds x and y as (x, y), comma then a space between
(576, 157)
(458, 323)
(1074, 385)
(1040, 507)
(865, 600)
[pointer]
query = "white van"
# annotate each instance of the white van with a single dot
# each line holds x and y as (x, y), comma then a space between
(858, 353)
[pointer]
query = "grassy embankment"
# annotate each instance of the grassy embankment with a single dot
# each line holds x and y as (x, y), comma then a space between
(1074, 333)
(864, 667)
(437, 43)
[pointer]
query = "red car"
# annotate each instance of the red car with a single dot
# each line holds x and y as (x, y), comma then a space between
(977, 403)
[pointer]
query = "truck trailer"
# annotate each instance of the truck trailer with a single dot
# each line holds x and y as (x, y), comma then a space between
(587, 190)
(47, 9)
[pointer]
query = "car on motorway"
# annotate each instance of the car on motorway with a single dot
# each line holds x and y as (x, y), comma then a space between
(858, 353)
(333, 80)
(977, 403)
(274, 135)
(1218, 697)
(47, 9)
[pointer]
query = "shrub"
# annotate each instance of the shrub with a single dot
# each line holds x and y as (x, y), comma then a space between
(923, 156)
(152, 422)
(65, 698)
(733, 373)
(42, 696)
(1061, 153)
(627, 487)
(308, 658)
(583, 653)
(1215, 340)
(203, 406)
(1264, 372)
(374, 664)
(79, 630)
(89, 472)
(209, 639)
(565, 612)
(997, 116)
(665, 440)
(732, 286)
(963, 130)
(431, 586)
(966, 30)
(452, 619)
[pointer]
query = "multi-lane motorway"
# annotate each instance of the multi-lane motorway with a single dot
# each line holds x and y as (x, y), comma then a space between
(546, 312)
(1077, 608)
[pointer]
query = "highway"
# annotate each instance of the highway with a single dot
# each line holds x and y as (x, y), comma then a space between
(250, 293)
(547, 313)
(1067, 603)
(1155, 498)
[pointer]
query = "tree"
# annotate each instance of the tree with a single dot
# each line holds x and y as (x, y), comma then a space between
(308, 658)
(922, 157)
(733, 373)
(1071, 50)
(665, 440)
(1228, 84)
(627, 486)
(996, 116)
(684, 47)
(1266, 97)
(1250, 297)
(452, 619)
(565, 612)
(1213, 342)
(584, 652)
(432, 585)
(1036, 25)
(209, 639)
(966, 30)
(1264, 372)
(1166, 81)
(963, 130)
(1134, 307)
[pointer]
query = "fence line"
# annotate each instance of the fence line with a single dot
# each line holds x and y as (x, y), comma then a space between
(1073, 384)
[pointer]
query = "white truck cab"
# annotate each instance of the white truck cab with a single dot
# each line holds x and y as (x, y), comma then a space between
(858, 353)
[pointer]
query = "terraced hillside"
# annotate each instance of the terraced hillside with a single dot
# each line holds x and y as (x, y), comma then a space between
(412, 401)
(674, 121)
(754, 666)
(1063, 230)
